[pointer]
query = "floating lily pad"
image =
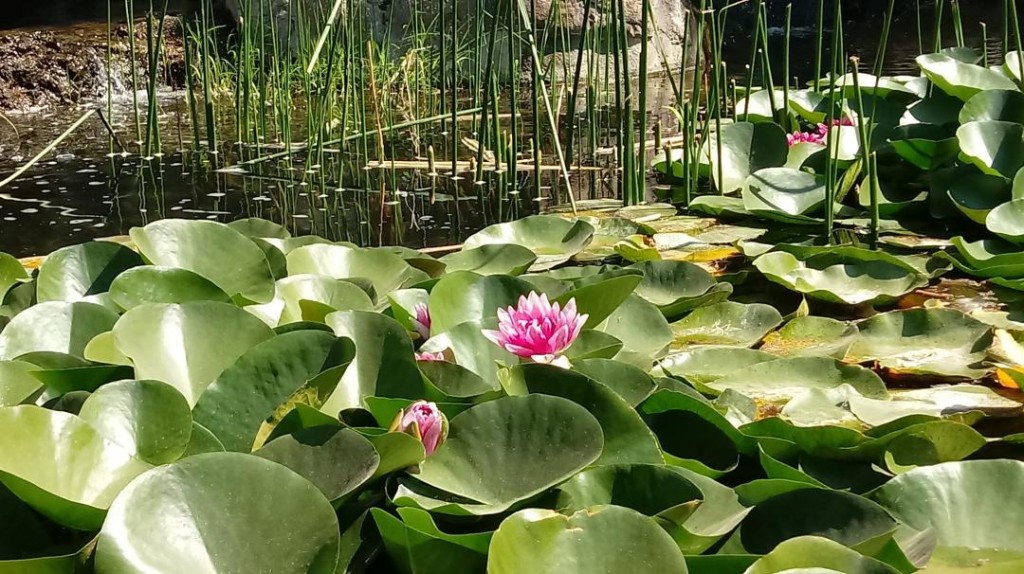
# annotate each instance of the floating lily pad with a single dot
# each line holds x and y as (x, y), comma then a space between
(965, 504)
(817, 555)
(994, 147)
(336, 460)
(11, 273)
(294, 295)
(746, 148)
(55, 327)
(285, 526)
(994, 105)
(153, 284)
(224, 256)
(641, 328)
(677, 287)
(464, 296)
(491, 259)
(385, 271)
(554, 240)
(845, 275)
(943, 342)
(185, 345)
(783, 193)
(961, 79)
(1007, 221)
(599, 540)
(811, 336)
(977, 194)
(703, 365)
(415, 543)
(782, 379)
(927, 146)
(729, 323)
(61, 466)
(545, 440)
(79, 271)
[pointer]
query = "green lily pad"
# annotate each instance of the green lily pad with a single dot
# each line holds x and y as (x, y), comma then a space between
(508, 450)
(76, 272)
(757, 107)
(965, 504)
(994, 105)
(184, 345)
(149, 419)
(601, 294)
(811, 336)
(641, 327)
(293, 295)
(943, 342)
(599, 540)
(255, 227)
(472, 350)
(996, 148)
(55, 327)
(927, 146)
(224, 256)
(961, 79)
(746, 148)
(782, 379)
(703, 365)
(845, 275)
(17, 385)
(1007, 221)
(62, 466)
(626, 438)
(11, 273)
(416, 544)
(151, 284)
(646, 488)
(336, 460)
(464, 296)
(384, 364)
(631, 383)
(842, 517)
(977, 194)
(553, 239)
(729, 324)
(385, 271)
(783, 193)
(285, 526)
(491, 259)
(252, 389)
(679, 286)
(816, 555)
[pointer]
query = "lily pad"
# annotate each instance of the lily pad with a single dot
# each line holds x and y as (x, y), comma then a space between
(994, 147)
(415, 544)
(703, 365)
(817, 555)
(845, 275)
(336, 460)
(152, 284)
(385, 271)
(943, 342)
(17, 385)
(285, 526)
(224, 256)
(994, 105)
(811, 336)
(678, 286)
(11, 273)
(464, 296)
(783, 193)
(782, 379)
(641, 328)
(729, 324)
(746, 148)
(294, 294)
(965, 504)
(79, 271)
(961, 79)
(511, 449)
(491, 259)
(62, 466)
(55, 327)
(553, 239)
(184, 345)
(599, 540)
(1007, 221)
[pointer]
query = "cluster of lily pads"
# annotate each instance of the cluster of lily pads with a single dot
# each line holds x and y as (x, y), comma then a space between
(949, 145)
(604, 393)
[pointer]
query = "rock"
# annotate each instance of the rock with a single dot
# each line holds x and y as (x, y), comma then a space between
(559, 21)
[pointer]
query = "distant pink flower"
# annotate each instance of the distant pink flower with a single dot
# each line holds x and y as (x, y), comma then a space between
(421, 320)
(818, 136)
(428, 356)
(424, 421)
(538, 330)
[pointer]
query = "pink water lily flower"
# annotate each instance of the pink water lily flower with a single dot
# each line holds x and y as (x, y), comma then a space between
(537, 329)
(421, 320)
(818, 136)
(428, 356)
(424, 421)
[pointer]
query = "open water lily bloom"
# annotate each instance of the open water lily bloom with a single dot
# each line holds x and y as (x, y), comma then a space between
(538, 330)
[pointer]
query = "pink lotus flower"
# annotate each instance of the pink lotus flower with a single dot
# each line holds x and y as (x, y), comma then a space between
(421, 320)
(818, 136)
(538, 330)
(424, 421)
(428, 356)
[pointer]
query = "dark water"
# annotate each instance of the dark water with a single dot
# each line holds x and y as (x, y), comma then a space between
(80, 193)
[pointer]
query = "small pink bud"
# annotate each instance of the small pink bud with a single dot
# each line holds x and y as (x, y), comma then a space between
(424, 421)
(428, 356)
(421, 320)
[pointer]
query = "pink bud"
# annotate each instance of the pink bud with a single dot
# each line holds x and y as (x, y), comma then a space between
(424, 421)
(421, 320)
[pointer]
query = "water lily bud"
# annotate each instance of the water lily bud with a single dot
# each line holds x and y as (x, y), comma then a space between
(424, 421)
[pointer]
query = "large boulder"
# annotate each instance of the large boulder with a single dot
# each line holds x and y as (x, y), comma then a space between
(558, 25)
